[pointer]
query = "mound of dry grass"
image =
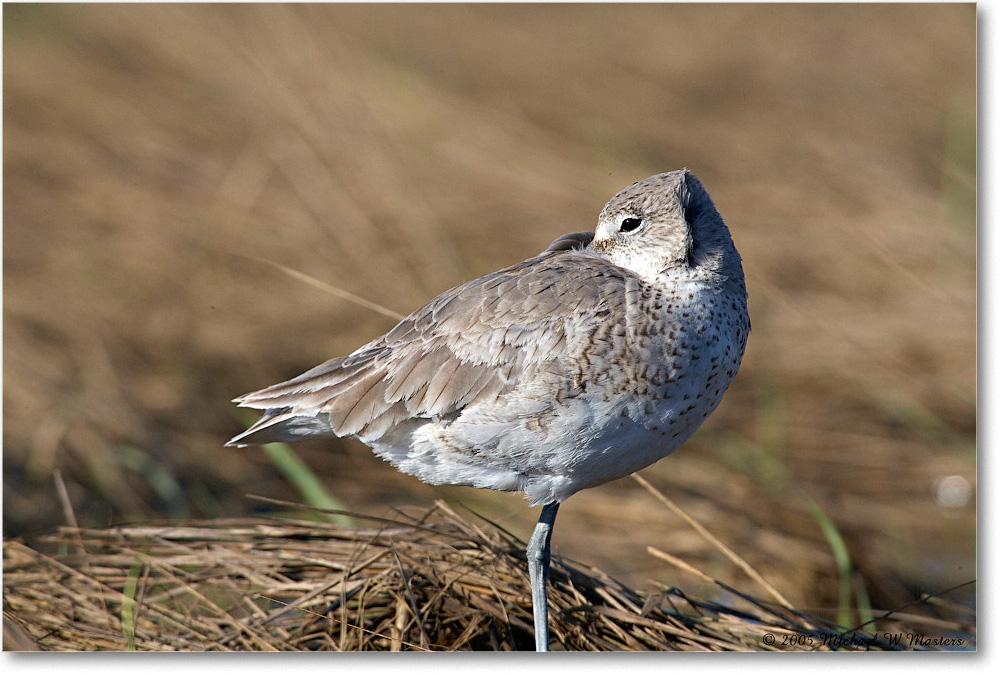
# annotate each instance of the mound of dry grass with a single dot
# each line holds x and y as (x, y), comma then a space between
(435, 581)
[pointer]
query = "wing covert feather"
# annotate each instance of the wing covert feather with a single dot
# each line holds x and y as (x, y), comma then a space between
(459, 348)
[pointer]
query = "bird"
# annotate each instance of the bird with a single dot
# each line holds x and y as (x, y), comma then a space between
(583, 364)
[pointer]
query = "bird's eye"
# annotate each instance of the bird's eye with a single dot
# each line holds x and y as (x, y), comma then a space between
(630, 224)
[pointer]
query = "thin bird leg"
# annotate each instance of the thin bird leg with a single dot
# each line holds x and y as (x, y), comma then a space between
(538, 568)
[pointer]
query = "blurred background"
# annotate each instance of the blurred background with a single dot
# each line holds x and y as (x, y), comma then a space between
(160, 160)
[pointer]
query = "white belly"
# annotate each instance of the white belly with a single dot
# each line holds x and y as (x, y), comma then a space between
(582, 444)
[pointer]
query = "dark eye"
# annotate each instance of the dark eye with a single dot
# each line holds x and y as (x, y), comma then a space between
(630, 224)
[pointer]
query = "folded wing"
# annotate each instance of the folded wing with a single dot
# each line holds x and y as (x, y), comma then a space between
(467, 346)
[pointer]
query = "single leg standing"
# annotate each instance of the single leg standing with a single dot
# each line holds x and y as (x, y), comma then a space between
(538, 568)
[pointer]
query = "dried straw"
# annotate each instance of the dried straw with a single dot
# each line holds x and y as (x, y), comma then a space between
(432, 582)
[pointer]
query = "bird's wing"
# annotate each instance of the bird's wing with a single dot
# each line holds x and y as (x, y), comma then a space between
(468, 345)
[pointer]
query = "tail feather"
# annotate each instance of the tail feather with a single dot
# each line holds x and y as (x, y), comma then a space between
(281, 425)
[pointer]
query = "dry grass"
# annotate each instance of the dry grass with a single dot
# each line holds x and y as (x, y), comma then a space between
(430, 582)
(155, 154)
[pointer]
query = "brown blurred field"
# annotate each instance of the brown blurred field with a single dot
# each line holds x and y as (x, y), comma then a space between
(153, 156)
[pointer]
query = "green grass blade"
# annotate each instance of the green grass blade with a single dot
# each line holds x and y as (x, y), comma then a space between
(840, 556)
(128, 603)
(298, 473)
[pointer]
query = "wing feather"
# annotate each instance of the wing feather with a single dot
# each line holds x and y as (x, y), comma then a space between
(464, 346)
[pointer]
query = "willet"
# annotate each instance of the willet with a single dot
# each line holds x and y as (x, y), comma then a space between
(586, 363)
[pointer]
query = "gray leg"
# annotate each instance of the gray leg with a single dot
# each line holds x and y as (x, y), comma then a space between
(538, 568)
